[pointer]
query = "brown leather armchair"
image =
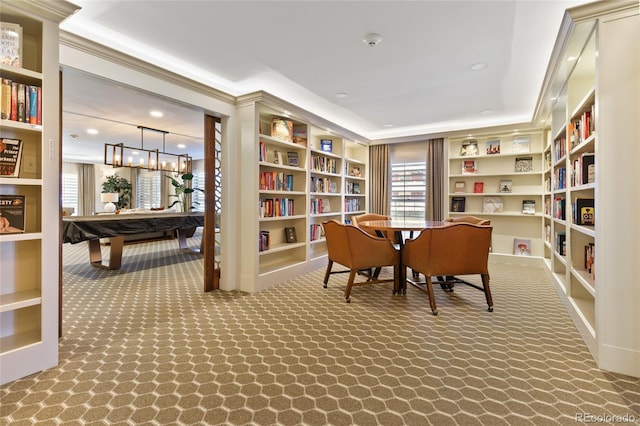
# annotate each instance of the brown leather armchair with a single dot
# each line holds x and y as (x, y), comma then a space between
(357, 220)
(458, 249)
(468, 219)
(359, 251)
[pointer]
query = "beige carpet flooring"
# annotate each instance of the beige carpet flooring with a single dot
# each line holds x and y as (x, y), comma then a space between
(145, 345)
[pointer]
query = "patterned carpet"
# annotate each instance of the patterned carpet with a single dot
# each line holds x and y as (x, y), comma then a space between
(145, 345)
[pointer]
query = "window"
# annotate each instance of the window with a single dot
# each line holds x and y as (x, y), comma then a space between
(149, 190)
(70, 182)
(197, 197)
(408, 181)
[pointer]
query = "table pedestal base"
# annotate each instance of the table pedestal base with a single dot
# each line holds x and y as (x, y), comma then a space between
(115, 254)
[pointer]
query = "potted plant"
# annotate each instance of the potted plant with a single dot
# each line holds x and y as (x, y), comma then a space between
(182, 191)
(120, 186)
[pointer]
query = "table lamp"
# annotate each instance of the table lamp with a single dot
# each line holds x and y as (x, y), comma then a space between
(109, 198)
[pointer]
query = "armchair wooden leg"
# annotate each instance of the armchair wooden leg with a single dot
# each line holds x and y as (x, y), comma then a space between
(487, 291)
(347, 291)
(327, 273)
(432, 297)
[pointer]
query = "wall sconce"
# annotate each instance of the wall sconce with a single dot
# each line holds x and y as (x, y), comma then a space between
(109, 198)
(119, 155)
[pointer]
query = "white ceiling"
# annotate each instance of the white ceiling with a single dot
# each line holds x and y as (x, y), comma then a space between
(416, 81)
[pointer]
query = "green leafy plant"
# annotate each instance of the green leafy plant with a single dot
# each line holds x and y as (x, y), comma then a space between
(121, 186)
(182, 191)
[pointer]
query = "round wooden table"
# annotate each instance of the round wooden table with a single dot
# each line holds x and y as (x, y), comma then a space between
(398, 226)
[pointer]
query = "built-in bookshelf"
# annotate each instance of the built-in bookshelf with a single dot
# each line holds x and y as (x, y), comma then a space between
(592, 240)
(326, 180)
(498, 176)
(29, 260)
(573, 149)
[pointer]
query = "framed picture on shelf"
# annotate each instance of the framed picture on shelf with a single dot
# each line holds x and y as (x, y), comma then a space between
(277, 157)
(290, 235)
(300, 136)
(478, 187)
(11, 214)
(493, 147)
(584, 212)
(521, 145)
(326, 145)
(469, 167)
(459, 187)
(529, 206)
(505, 185)
(10, 157)
(11, 48)
(523, 164)
(457, 204)
(282, 129)
(522, 247)
(292, 158)
(492, 205)
(469, 148)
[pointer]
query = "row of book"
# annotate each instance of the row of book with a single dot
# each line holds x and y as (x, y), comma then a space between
(560, 178)
(323, 185)
(274, 181)
(276, 207)
(352, 205)
(583, 170)
(559, 208)
(264, 240)
(561, 243)
(352, 188)
(582, 128)
(323, 164)
(560, 146)
(316, 232)
(20, 102)
(590, 260)
(320, 205)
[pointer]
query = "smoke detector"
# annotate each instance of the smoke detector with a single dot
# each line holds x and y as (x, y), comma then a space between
(372, 39)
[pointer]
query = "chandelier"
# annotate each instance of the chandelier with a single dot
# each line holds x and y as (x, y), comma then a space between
(119, 155)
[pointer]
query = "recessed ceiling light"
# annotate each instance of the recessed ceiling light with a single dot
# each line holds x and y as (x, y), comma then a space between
(181, 145)
(156, 113)
(92, 131)
(388, 125)
(486, 111)
(341, 95)
(477, 67)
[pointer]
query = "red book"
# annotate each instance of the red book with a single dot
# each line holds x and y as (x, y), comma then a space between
(14, 101)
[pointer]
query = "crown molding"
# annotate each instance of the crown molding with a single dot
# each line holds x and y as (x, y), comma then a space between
(283, 107)
(56, 11)
(573, 17)
(100, 51)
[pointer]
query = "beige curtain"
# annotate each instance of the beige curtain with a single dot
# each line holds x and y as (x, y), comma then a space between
(379, 184)
(435, 179)
(86, 190)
